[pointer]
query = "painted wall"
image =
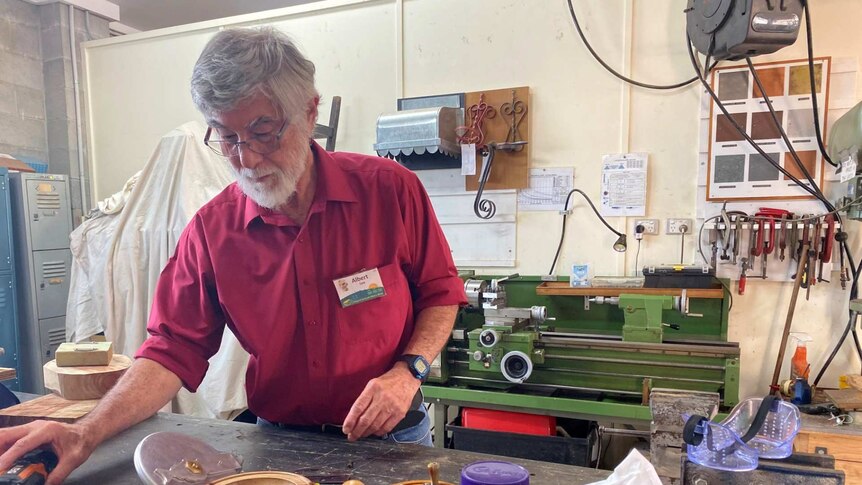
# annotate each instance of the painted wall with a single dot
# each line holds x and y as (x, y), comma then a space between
(372, 52)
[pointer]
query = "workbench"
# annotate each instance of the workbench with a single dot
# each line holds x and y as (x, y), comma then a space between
(373, 461)
(820, 435)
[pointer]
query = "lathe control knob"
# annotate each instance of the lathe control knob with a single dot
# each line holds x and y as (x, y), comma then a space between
(489, 337)
(538, 314)
(516, 366)
(477, 356)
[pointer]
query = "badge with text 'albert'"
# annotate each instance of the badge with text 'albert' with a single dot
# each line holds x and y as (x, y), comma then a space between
(359, 287)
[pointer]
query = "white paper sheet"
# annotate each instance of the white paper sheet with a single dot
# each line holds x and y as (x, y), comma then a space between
(624, 184)
(548, 189)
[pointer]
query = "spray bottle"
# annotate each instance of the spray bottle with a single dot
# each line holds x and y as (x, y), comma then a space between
(799, 370)
(799, 367)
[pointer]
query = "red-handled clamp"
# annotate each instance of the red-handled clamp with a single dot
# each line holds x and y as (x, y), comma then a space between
(771, 216)
(826, 253)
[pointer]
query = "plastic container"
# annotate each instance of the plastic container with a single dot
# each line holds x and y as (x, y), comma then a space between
(775, 438)
(579, 449)
(494, 473)
(721, 448)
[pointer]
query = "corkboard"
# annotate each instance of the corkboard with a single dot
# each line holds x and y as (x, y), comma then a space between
(511, 170)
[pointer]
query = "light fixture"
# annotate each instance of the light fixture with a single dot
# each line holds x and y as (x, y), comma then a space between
(620, 243)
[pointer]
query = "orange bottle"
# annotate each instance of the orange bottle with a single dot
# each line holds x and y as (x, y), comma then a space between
(799, 367)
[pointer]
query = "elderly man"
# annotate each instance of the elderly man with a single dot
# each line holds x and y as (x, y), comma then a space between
(330, 268)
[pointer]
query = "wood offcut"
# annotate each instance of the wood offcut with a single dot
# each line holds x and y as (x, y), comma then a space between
(50, 407)
(85, 382)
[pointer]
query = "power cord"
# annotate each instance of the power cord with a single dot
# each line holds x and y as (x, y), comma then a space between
(682, 230)
(639, 235)
(565, 213)
(812, 80)
(611, 70)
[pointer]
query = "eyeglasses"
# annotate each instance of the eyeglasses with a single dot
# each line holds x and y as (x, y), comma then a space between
(263, 144)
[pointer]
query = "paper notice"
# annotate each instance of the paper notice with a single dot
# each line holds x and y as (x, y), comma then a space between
(624, 184)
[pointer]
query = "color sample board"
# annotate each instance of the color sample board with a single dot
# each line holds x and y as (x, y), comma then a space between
(736, 170)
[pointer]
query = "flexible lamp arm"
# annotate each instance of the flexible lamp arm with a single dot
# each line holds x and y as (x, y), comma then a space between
(566, 208)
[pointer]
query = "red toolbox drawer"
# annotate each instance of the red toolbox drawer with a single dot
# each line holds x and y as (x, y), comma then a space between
(491, 420)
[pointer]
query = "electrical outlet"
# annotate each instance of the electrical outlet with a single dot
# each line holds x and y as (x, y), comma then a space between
(650, 225)
(675, 226)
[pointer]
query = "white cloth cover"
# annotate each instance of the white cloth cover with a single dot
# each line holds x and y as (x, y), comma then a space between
(118, 255)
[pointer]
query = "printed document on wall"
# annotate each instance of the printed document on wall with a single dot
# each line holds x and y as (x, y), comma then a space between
(624, 184)
(548, 189)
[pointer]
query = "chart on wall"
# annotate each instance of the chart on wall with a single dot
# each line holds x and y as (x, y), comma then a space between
(736, 169)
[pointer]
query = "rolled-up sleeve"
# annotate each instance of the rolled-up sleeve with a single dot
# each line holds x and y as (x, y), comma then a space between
(434, 280)
(186, 321)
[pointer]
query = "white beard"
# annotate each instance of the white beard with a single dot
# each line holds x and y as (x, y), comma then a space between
(279, 190)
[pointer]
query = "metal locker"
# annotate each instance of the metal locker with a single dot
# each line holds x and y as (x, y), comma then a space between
(9, 338)
(5, 225)
(52, 281)
(50, 226)
(52, 332)
(8, 328)
(42, 217)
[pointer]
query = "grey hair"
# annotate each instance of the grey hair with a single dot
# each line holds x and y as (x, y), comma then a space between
(238, 63)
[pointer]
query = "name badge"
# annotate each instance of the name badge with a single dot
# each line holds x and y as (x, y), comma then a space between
(359, 287)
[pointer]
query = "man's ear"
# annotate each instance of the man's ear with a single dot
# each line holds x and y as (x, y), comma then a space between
(312, 110)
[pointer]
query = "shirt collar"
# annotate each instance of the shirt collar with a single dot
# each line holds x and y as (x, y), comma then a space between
(332, 185)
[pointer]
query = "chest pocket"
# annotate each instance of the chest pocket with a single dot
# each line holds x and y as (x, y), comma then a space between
(379, 323)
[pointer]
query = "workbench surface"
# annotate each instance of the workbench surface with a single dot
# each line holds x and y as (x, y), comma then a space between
(375, 462)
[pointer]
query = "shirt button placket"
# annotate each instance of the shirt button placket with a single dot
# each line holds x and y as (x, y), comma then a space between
(309, 302)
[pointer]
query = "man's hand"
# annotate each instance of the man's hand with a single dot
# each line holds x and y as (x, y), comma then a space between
(383, 403)
(70, 442)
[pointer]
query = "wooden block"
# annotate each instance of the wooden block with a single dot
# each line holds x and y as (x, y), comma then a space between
(84, 353)
(510, 170)
(7, 373)
(85, 382)
(846, 399)
(50, 407)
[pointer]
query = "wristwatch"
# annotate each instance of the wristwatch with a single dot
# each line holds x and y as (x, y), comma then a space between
(417, 365)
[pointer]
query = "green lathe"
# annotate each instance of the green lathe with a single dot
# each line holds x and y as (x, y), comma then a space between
(538, 346)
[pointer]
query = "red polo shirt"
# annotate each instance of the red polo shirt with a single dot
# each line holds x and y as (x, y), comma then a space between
(271, 282)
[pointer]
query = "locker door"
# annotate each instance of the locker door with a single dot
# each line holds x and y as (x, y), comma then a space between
(52, 332)
(50, 214)
(5, 226)
(52, 270)
(8, 333)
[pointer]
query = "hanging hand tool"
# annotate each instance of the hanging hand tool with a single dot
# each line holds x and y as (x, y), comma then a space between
(826, 252)
(782, 241)
(812, 258)
(742, 278)
(713, 242)
(735, 231)
(754, 249)
(769, 216)
(804, 244)
(794, 238)
(841, 237)
(797, 283)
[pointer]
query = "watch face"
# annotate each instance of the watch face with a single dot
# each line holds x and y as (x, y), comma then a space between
(420, 366)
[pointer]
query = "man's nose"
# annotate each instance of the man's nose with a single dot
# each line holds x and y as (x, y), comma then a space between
(248, 158)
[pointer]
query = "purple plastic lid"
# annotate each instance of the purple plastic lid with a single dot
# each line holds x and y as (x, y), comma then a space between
(494, 473)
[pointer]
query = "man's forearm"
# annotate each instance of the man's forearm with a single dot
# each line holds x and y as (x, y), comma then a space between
(432, 330)
(143, 390)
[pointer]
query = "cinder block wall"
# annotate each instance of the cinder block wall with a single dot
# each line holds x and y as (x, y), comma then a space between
(22, 91)
(37, 103)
